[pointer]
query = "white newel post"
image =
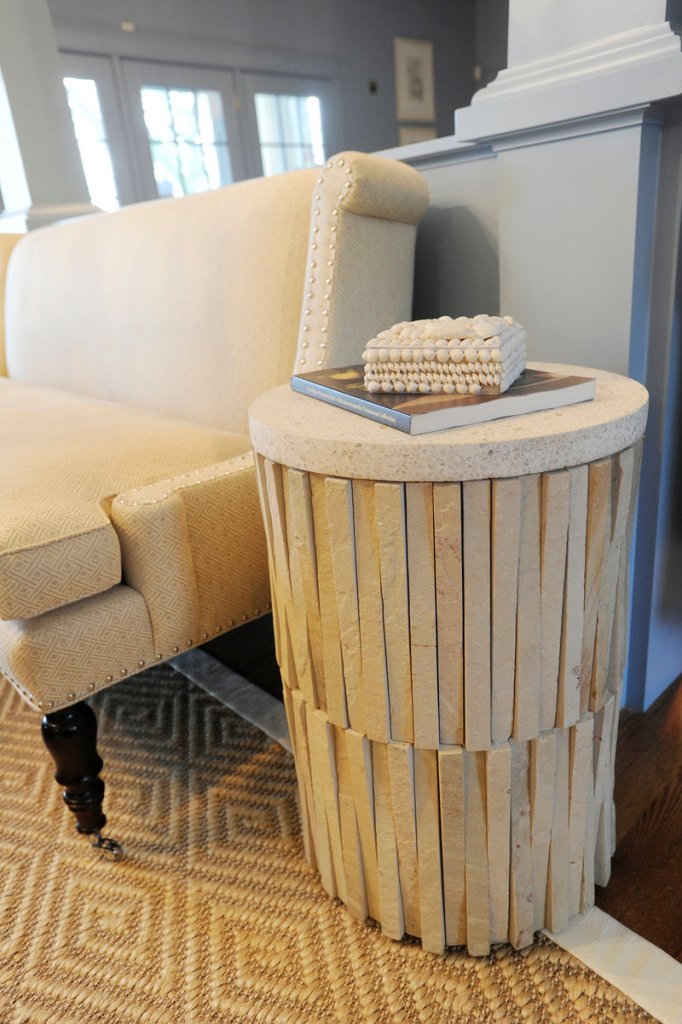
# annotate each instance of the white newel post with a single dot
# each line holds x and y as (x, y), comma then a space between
(41, 176)
(573, 60)
(586, 126)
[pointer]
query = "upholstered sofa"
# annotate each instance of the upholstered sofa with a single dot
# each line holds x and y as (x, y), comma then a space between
(134, 343)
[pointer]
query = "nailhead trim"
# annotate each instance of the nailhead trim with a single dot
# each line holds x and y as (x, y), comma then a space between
(198, 476)
(307, 355)
(73, 695)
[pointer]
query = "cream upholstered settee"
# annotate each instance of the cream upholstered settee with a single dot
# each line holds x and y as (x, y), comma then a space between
(134, 343)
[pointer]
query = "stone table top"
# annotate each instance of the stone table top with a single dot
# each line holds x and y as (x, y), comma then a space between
(305, 433)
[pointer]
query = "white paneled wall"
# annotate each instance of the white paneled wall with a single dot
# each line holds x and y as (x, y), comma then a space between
(561, 198)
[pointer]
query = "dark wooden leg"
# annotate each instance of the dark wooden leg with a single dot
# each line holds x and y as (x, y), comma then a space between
(71, 737)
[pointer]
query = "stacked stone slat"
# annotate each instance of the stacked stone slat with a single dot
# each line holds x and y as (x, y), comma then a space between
(449, 356)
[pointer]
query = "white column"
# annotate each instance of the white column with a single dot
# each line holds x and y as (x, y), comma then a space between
(571, 60)
(589, 197)
(41, 176)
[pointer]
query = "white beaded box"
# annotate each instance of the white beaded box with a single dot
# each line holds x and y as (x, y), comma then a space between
(463, 355)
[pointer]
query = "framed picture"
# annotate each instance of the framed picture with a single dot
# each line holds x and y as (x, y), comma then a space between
(414, 90)
(415, 133)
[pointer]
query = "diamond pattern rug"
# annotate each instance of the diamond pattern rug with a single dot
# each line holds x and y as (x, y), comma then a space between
(214, 917)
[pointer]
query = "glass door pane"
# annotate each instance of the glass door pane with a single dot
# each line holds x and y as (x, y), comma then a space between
(185, 126)
(93, 145)
(289, 131)
(290, 121)
(187, 138)
(98, 122)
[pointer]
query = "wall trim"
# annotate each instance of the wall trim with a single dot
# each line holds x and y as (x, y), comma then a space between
(438, 152)
(193, 50)
(617, 72)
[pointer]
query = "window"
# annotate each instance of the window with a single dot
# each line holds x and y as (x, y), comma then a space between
(289, 132)
(150, 128)
(187, 139)
(93, 145)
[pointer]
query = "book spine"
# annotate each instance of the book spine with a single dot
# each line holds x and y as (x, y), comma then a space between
(361, 406)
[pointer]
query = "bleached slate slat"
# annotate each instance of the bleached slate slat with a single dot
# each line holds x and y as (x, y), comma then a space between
(611, 783)
(596, 566)
(447, 519)
(476, 576)
(375, 678)
(318, 770)
(324, 762)
(637, 451)
(619, 644)
(580, 795)
(498, 814)
(401, 771)
(339, 494)
(607, 588)
(359, 750)
(331, 642)
(476, 854)
(621, 483)
(570, 661)
(296, 610)
(527, 681)
(422, 599)
(299, 749)
(303, 539)
(390, 510)
(556, 488)
(266, 513)
(356, 889)
(521, 866)
(302, 755)
(272, 476)
(556, 914)
(505, 534)
(619, 636)
(288, 667)
(451, 779)
(603, 819)
(542, 772)
(292, 662)
(392, 920)
(587, 887)
(428, 849)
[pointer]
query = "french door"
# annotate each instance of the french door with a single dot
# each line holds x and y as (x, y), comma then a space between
(185, 131)
(148, 129)
(99, 123)
(290, 121)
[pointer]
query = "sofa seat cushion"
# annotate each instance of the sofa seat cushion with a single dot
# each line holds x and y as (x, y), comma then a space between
(64, 459)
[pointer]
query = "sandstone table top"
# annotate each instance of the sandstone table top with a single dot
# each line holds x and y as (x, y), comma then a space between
(305, 433)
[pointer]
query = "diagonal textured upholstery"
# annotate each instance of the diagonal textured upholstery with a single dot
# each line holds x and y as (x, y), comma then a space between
(64, 457)
(135, 341)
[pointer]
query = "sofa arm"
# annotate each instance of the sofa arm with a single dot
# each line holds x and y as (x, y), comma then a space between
(194, 547)
(7, 243)
(360, 268)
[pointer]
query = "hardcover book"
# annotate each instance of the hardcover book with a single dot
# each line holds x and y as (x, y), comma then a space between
(533, 391)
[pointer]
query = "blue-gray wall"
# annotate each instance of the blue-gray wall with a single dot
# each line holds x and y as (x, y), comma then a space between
(357, 35)
(492, 21)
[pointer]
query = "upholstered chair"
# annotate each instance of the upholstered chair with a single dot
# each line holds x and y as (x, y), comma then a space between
(134, 343)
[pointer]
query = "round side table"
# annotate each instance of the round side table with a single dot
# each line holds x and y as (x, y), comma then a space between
(450, 616)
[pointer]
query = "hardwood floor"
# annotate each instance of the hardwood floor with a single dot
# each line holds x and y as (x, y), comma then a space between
(645, 890)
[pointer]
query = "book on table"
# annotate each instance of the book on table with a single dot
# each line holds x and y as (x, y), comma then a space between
(533, 391)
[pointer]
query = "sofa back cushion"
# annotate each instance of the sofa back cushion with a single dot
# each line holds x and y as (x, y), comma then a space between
(187, 307)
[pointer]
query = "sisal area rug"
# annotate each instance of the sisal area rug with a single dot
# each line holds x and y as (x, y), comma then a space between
(214, 917)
